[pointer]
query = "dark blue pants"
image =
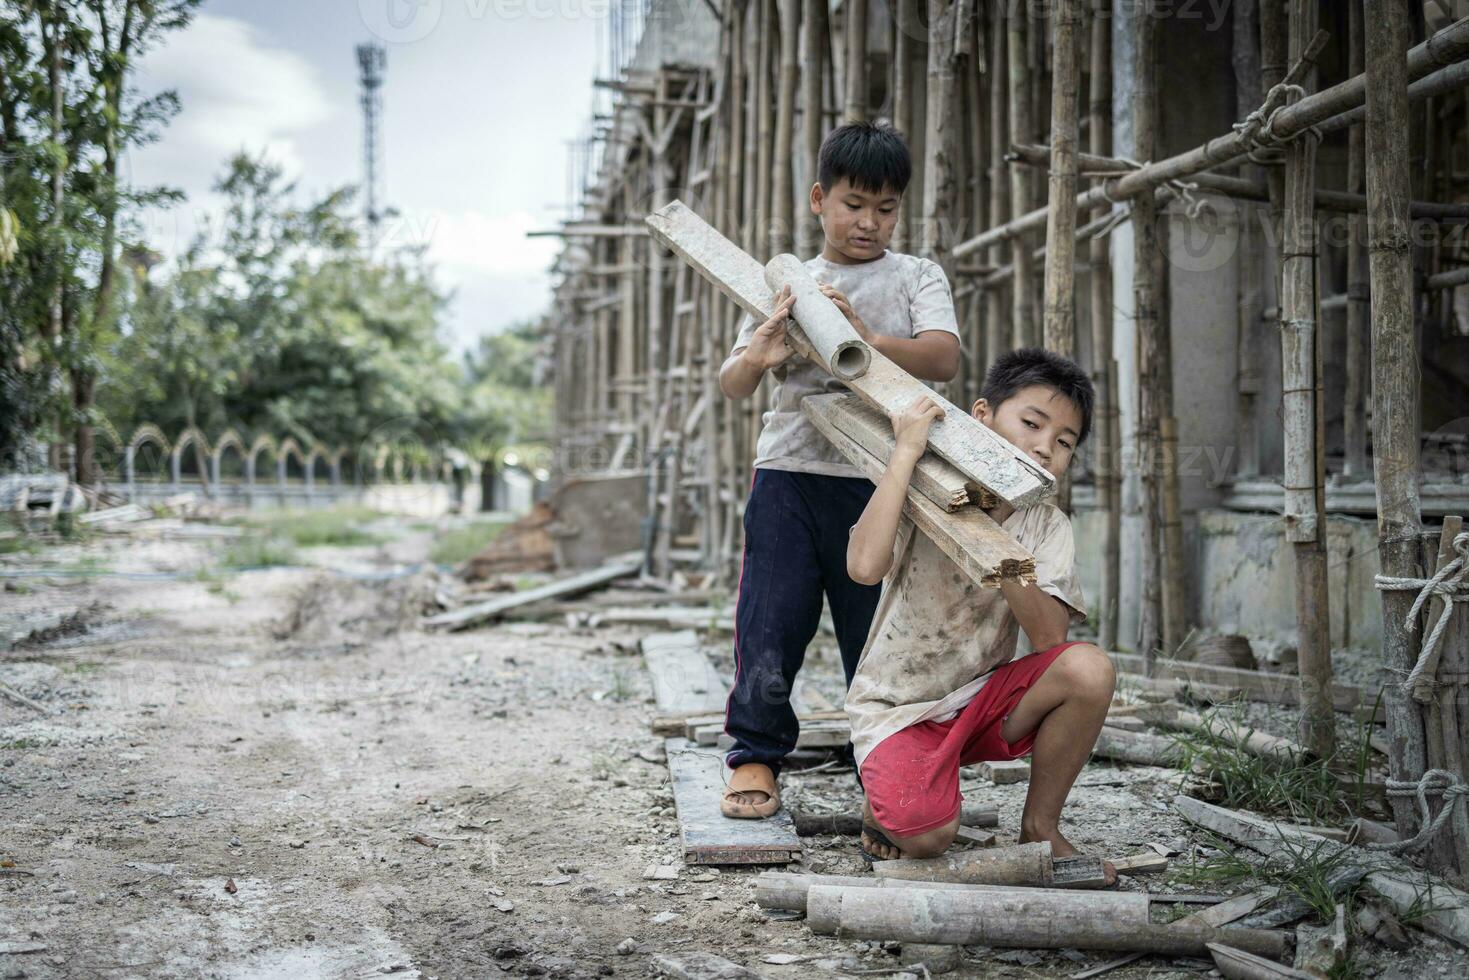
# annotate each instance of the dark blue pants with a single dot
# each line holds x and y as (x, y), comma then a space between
(796, 528)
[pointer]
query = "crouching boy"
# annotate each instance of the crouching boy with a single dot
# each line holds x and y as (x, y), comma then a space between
(938, 685)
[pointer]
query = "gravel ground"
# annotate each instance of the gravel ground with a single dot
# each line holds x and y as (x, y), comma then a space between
(278, 774)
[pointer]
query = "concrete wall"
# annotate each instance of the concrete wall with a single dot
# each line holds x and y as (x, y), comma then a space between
(1244, 571)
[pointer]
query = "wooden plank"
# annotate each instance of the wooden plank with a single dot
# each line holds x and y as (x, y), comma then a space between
(483, 612)
(708, 836)
(981, 548)
(1254, 685)
(684, 681)
(977, 451)
(828, 734)
(933, 477)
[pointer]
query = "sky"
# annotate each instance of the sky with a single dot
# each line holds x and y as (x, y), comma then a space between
(480, 100)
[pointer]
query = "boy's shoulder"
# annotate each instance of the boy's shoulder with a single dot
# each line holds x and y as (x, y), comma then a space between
(915, 265)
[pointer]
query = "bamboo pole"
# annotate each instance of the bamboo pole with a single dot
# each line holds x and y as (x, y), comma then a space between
(855, 36)
(1108, 479)
(903, 27)
(1359, 312)
(1021, 865)
(977, 115)
(813, 57)
(764, 127)
(1145, 316)
(1016, 917)
(1250, 257)
(656, 369)
(744, 215)
(1395, 386)
(1300, 358)
(1060, 266)
(1021, 126)
(998, 328)
(940, 141)
(783, 209)
(784, 890)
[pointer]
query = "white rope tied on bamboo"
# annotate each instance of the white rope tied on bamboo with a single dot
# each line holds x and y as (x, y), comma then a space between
(1454, 793)
(1258, 121)
(1451, 582)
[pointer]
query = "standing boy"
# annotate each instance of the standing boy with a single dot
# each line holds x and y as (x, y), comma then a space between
(938, 685)
(805, 495)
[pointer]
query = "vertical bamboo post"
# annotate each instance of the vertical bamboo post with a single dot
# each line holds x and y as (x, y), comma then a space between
(1174, 575)
(749, 198)
(939, 139)
(1060, 272)
(783, 210)
(1359, 312)
(998, 329)
(1145, 315)
(1249, 256)
(1305, 523)
(1448, 850)
(855, 36)
(813, 56)
(1021, 126)
(764, 126)
(658, 166)
(1395, 386)
(978, 117)
(1108, 480)
(903, 25)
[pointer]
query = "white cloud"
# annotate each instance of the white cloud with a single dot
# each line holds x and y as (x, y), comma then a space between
(475, 241)
(238, 92)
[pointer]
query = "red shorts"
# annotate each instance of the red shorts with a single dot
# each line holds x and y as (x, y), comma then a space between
(912, 776)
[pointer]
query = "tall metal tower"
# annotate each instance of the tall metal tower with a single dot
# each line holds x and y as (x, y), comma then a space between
(373, 61)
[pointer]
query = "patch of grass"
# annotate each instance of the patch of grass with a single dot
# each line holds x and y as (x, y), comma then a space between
(18, 544)
(21, 743)
(621, 688)
(1306, 791)
(336, 526)
(258, 552)
(1305, 870)
(215, 584)
(458, 544)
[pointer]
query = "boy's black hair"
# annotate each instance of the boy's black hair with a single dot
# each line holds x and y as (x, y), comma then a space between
(1028, 366)
(873, 157)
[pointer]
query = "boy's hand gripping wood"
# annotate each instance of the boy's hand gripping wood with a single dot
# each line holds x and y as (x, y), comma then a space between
(975, 450)
(969, 536)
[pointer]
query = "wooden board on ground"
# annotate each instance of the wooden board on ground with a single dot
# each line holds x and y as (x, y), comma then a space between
(708, 836)
(684, 680)
(1254, 685)
(483, 612)
(977, 451)
(981, 548)
(825, 734)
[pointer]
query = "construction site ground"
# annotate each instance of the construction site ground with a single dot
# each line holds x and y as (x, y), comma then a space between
(278, 773)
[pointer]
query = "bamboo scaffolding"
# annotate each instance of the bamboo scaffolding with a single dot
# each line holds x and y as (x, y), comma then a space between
(813, 70)
(783, 208)
(1448, 46)
(998, 312)
(854, 35)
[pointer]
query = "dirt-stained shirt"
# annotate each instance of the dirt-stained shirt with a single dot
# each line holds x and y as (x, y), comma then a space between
(897, 295)
(937, 636)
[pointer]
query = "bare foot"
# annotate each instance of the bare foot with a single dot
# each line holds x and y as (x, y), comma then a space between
(874, 847)
(1062, 848)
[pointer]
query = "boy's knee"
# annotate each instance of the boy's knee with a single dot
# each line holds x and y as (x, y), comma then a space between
(1089, 670)
(930, 843)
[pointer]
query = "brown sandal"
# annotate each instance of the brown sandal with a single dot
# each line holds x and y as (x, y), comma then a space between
(743, 783)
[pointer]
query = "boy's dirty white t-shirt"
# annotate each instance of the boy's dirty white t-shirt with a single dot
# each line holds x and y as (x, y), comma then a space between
(937, 637)
(896, 294)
